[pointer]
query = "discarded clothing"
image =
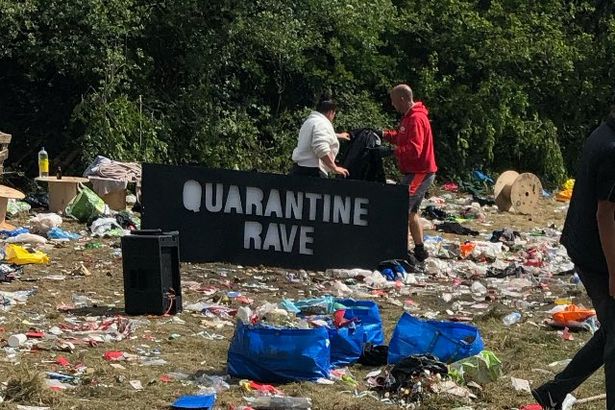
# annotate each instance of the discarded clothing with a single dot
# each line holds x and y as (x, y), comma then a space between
(455, 228)
(362, 158)
(407, 379)
(106, 168)
(7, 277)
(9, 273)
(505, 235)
(479, 176)
(413, 366)
(451, 187)
(481, 199)
(374, 355)
(37, 200)
(510, 270)
(431, 213)
(127, 221)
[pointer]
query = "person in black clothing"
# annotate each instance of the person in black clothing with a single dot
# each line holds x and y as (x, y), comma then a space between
(589, 237)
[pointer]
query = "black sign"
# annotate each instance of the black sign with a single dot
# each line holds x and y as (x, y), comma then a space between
(254, 218)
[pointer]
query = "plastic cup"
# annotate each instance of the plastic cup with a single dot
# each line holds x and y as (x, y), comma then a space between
(17, 340)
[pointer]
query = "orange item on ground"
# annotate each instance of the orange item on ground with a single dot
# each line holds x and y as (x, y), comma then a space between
(466, 249)
(573, 313)
(566, 193)
(564, 196)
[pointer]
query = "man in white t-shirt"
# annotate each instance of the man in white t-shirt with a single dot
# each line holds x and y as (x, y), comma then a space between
(318, 145)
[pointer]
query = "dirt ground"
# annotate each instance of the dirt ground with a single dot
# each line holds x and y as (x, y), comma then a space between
(525, 349)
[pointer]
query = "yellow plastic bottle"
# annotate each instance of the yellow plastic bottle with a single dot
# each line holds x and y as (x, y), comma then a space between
(43, 163)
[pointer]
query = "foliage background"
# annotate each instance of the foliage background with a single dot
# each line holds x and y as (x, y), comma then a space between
(510, 83)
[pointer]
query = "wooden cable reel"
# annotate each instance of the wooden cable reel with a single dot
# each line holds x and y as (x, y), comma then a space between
(519, 191)
(5, 140)
(6, 192)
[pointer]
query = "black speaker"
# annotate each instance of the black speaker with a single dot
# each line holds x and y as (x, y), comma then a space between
(152, 283)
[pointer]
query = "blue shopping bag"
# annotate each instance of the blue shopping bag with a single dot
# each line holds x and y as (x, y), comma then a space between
(448, 341)
(347, 342)
(273, 355)
(368, 315)
(346, 345)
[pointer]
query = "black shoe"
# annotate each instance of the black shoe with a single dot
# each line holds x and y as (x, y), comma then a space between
(421, 253)
(545, 400)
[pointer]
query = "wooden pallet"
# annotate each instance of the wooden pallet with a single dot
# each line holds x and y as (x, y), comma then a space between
(5, 140)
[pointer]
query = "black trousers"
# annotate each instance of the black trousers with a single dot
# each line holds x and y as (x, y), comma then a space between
(598, 351)
(307, 171)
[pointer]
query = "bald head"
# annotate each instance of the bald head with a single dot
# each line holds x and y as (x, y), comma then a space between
(402, 98)
(402, 90)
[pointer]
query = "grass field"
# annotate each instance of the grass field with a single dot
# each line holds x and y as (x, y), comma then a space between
(525, 349)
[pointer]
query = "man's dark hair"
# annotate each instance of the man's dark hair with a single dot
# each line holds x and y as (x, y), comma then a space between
(325, 104)
(612, 101)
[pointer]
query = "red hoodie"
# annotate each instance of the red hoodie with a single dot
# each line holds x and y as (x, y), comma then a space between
(414, 141)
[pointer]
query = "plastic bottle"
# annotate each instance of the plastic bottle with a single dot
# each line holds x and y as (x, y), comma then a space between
(511, 319)
(43, 163)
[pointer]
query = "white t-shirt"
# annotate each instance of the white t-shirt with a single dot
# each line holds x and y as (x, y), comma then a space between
(316, 139)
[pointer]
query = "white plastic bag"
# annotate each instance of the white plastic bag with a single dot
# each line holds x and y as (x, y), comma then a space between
(42, 223)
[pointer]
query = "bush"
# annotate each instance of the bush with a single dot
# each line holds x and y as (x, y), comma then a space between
(509, 84)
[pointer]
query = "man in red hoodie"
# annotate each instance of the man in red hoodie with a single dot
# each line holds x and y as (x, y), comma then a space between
(415, 156)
